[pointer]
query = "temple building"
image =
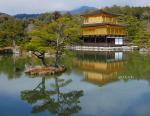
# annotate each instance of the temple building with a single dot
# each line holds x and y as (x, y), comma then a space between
(100, 28)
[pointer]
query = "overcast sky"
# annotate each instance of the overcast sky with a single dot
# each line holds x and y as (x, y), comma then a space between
(38, 6)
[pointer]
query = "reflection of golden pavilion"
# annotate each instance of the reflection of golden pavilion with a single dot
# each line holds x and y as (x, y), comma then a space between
(100, 72)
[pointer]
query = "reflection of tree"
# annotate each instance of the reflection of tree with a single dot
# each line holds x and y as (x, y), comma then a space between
(137, 66)
(67, 60)
(102, 68)
(53, 100)
(12, 66)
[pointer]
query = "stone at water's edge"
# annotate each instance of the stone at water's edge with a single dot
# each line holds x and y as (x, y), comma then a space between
(42, 70)
(6, 50)
(145, 50)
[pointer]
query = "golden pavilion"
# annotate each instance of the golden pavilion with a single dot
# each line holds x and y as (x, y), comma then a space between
(101, 28)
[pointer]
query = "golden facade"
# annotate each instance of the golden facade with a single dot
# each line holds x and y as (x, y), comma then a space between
(102, 27)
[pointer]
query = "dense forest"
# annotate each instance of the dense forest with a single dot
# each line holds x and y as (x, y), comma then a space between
(49, 33)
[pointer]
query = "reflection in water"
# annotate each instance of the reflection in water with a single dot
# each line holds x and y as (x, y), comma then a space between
(100, 68)
(53, 100)
(12, 66)
(105, 67)
(51, 95)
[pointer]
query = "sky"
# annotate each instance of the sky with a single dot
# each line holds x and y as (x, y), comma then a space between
(39, 6)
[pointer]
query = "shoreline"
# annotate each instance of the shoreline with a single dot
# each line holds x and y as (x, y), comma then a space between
(96, 48)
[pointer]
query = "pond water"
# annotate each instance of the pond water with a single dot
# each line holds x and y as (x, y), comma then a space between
(95, 84)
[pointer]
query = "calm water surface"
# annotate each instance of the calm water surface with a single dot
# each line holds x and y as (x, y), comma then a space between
(95, 84)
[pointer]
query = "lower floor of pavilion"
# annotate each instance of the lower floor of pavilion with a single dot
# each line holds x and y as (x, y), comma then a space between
(103, 41)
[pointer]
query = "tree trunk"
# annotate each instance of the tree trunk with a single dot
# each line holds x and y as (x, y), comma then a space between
(43, 61)
(41, 56)
(43, 84)
(57, 53)
(56, 59)
(57, 88)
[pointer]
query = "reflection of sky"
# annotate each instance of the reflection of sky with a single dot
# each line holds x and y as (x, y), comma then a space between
(10, 101)
(14, 86)
(114, 99)
(140, 107)
(131, 98)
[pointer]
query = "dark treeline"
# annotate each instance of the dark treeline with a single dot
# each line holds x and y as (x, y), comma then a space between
(139, 12)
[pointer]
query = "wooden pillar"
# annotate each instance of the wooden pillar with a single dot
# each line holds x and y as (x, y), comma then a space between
(106, 42)
(83, 39)
(123, 40)
(95, 38)
(88, 39)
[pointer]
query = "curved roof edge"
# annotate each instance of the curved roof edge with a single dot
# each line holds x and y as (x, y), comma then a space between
(100, 12)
